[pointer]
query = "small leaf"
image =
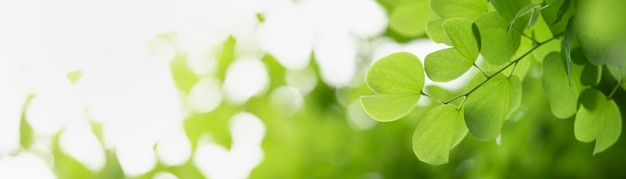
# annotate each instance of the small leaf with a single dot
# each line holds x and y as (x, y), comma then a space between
(562, 10)
(562, 97)
(591, 75)
(566, 47)
(459, 30)
(410, 20)
(534, 16)
(434, 29)
(440, 130)
(493, 47)
(490, 104)
(597, 119)
(458, 8)
(528, 9)
(398, 79)
(445, 65)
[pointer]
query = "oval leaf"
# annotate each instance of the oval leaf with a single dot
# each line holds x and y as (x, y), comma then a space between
(459, 30)
(439, 131)
(398, 73)
(597, 119)
(389, 107)
(445, 65)
(494, 48)
(398, 79)
(562, 96)
(490, 104)
(410, 20)
(434, 29)
(458, 8)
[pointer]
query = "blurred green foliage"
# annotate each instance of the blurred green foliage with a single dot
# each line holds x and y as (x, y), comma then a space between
(318, 140)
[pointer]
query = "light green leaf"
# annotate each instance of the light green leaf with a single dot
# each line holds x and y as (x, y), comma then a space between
(397, 73)
(445, 65)
(410, 20)
(459, 30)
(563, 98)
(490, 104)
(434, 29)
(494, 48)
(440, 130)
(398, 79)
(389, 107)
(458, 8)
(597, 119)
(509, 8)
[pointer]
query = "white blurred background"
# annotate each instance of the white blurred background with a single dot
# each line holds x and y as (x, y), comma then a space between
(125, 82)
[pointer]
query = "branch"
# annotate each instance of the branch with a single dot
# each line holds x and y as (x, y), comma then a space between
(501, 70)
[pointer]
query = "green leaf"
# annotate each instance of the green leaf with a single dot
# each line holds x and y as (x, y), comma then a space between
(434, 29)
(528, 9)
(494, 48)
(566, 47)
(389, 107)
(591, 75)
(458, 8)
(508, 9)
(490, 104)
(410, 20)
(557, 14)
(445, 65)
(562, 97)
(398, 79)
(440, 130)
(597, 119)
(459, 30)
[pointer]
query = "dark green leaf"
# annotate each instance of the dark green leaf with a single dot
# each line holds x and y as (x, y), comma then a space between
(566, 47)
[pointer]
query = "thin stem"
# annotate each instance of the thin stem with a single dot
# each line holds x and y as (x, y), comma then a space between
(432, 97)
(619, 83)
(513, 70)
(481, 70)
(500, 71)
(462, 103)
(529, 37)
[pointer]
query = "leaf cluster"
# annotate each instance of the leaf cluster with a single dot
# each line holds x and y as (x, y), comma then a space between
(559, 38)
